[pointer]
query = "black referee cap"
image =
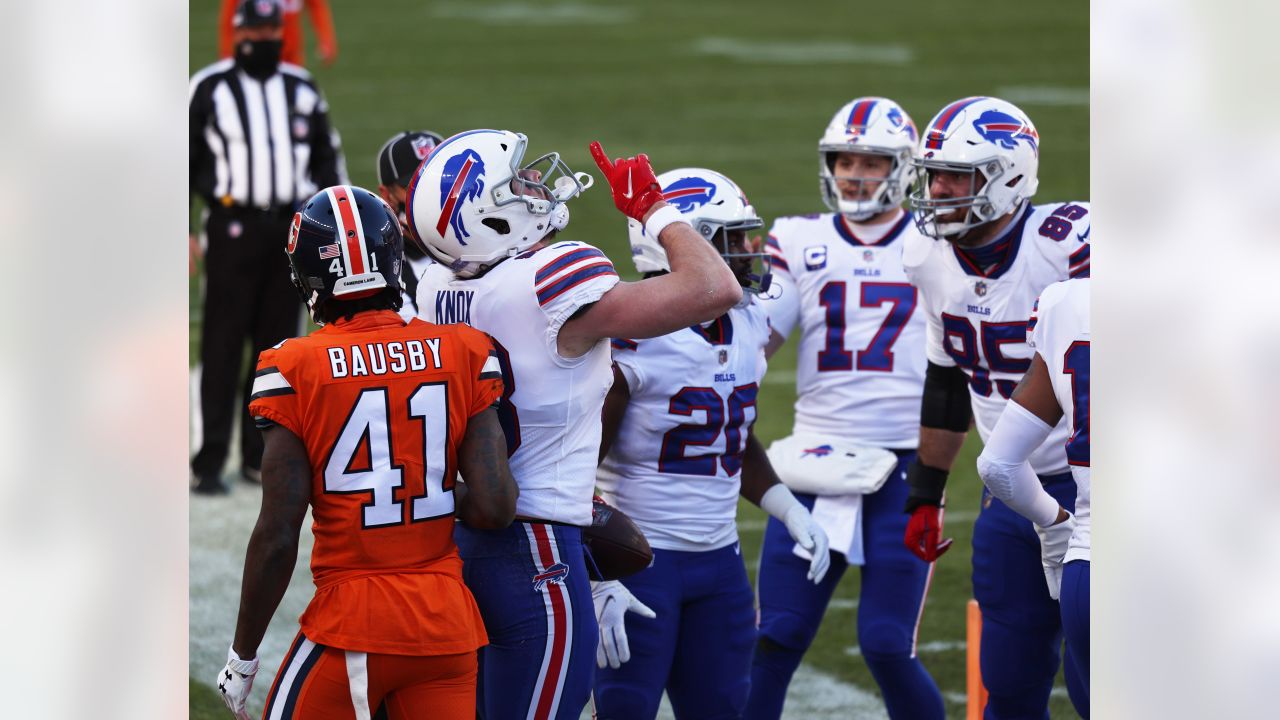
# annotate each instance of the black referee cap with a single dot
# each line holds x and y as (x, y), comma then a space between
(255, 13)
(402, 154)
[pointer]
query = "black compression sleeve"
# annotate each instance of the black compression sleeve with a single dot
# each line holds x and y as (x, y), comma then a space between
(945, 404)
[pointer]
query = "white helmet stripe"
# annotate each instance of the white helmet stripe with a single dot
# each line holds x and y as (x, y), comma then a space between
(347, 216)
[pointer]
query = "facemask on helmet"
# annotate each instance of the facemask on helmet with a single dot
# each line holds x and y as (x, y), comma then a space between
(872, 126)
(344, 244)
(991, 143)
(720, 213)
(473, 203)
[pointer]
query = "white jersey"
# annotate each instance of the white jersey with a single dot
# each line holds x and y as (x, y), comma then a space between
(860, 365)
(978, 320)
(675, 466)
(1059, 332)
(551, 405)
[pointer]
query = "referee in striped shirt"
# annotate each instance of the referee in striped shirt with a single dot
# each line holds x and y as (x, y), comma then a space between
(260, 144)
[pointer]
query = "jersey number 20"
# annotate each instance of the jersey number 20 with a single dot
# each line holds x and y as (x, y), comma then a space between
(369, 425)
(673, 460)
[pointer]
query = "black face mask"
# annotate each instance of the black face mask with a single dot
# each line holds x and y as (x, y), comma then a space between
(259, 58)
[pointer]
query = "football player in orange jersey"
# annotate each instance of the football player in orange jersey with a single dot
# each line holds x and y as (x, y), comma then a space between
(368, 420)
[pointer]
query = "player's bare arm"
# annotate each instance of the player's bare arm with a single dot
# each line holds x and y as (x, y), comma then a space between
(615, 407)
(489, 501)
(945, 414)
(699, 288)
(776, 341)
(273, 547)
(1035, 392)
(762, 486)
(757, 472)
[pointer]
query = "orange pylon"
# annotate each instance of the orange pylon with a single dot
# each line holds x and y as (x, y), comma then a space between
(976, 691)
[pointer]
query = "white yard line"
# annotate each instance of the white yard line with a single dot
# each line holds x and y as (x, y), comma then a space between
(935, 646)
(1047, 95)
(802, 53)
(524, 13)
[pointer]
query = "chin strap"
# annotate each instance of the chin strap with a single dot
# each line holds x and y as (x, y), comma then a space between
(560, 216)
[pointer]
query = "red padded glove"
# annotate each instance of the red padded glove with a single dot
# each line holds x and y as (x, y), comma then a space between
(924, 533)
(635, 188)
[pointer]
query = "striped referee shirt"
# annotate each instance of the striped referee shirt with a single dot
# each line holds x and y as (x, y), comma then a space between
(265, 145)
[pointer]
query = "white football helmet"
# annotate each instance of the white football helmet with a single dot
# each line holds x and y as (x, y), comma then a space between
(472, 203)
(993, 142)
(872, 125)
(714, 206)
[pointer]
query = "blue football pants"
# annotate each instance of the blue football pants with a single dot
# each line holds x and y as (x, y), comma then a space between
(893, 586)
(698, 648)
(530, 582)
(1021, 624)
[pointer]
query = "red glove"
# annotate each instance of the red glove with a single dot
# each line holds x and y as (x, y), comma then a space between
(924, 533)
(634, 186)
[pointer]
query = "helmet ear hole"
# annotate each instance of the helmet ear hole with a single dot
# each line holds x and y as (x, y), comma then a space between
(498, 225)
(1013, 182)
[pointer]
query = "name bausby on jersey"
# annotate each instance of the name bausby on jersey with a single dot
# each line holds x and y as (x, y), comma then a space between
(381, 358)
(977, 319)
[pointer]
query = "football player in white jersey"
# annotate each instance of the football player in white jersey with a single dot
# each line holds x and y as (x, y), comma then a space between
(1056, 385)
(987, 255)
(677, 450)
(489, 219)
(860, 372)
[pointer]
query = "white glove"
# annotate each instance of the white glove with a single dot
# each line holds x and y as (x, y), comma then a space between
(234, 680)
(780, 503)
(613, 600)
(1053, 547)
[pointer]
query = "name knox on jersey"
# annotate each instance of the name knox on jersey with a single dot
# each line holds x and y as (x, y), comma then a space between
(453, 306)
(385, 357)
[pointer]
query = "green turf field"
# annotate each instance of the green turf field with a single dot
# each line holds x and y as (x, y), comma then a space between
(743, 87)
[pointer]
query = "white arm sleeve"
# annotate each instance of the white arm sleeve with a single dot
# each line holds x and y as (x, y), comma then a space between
(1004, 468)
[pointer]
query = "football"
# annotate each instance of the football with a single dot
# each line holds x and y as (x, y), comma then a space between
(615, 547)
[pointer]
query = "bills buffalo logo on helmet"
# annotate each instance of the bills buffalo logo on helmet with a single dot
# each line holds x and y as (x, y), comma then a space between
(1005, 130)
(461, 182)
(554, 574)
(820, 451)
(689, 194)
(901, 124)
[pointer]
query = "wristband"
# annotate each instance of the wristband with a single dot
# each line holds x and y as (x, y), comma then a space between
(660, 219)
(244, 667)
(925, 485)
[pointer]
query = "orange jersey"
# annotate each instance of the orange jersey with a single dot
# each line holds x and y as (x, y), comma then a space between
(382, 407)
(291, 18)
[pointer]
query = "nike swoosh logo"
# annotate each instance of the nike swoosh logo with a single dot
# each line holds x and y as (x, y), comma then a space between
(1085, 236)
(627, 194)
